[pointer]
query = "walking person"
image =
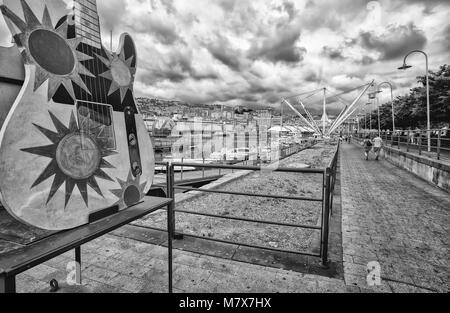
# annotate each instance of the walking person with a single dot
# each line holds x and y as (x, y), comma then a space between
(367, 147)
(377, 146)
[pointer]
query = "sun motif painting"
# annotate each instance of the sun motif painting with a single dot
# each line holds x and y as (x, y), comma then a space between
(77, 158)
(40, 45)
(131, 191)
(121, 73)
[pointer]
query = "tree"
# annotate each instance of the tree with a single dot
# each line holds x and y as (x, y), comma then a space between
(411, 109)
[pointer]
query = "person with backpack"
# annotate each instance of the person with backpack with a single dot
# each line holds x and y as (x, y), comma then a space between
(377, 146)
(367, 147)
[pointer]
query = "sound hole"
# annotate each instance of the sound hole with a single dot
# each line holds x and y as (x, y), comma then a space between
(132, 195)
(78, 156)
(51, 52)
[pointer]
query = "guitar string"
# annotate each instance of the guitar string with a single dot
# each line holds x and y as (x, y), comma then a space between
(85, 95)
(106, 115)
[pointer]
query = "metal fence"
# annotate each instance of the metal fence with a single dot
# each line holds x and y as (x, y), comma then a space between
(416, 141)
(329, 182)
(282, 153)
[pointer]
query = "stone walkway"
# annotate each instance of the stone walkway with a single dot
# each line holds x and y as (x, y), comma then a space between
(112, 264)
(392, 217)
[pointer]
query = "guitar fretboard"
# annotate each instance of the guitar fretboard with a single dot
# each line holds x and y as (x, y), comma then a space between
(87, 22)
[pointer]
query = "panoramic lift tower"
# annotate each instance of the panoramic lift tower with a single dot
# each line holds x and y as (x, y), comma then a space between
(325, 119)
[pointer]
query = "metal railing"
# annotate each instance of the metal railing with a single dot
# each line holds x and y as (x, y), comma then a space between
(416, 141)
(329, 182)
(282, 153)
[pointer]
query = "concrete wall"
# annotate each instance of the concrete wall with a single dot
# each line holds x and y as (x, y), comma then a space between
(433, 171)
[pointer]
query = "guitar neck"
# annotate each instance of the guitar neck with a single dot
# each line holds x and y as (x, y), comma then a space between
(87, 22)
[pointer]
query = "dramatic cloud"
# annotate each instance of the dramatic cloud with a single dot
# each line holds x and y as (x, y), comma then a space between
(281, 47)
(333, 53)
(395, 42)
(251, 53)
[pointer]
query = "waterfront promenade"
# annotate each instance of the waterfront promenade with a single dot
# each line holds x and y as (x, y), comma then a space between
(388, 216)
(393, 217)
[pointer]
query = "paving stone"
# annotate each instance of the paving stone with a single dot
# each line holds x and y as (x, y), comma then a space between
(28, 284)
(392, 217)
(41, 271)
(99, 274)
(128, 283)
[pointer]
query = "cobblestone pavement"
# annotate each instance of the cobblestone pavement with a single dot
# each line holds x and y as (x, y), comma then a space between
(393, 217)
(113, 264)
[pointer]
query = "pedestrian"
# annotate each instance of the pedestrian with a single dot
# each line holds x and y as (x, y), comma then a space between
(367, 147)
(377, 146)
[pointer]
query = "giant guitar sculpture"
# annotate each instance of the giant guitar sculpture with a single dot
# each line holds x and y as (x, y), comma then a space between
(73, 143)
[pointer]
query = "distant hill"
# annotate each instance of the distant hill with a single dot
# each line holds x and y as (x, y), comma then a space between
(154, 105)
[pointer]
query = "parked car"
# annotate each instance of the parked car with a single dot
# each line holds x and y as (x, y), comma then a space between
(218, 155)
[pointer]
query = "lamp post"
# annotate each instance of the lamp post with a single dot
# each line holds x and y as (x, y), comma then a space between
(359, 123)
(405, 67)
(379, 120)
(370, 118)
(392, 101)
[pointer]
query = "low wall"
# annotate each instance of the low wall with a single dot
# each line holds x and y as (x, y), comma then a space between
(433, 171)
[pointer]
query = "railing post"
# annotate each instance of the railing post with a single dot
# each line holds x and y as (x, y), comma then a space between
(439, 145)
(326, 217)
(420, 144)
(182, 168)
(203, 169)
(408, 136)
(171, 194)
(170, 235)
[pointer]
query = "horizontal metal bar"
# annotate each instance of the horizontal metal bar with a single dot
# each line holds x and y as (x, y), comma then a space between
(249, 220)
(246, 194)
(160, 185)
(251, 168)
(235, 243)
(250, 246)
(11, 81)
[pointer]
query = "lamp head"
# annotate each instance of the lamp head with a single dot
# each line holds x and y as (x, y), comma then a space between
(404, 67)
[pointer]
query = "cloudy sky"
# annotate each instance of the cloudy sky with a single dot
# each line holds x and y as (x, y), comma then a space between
(239, 52)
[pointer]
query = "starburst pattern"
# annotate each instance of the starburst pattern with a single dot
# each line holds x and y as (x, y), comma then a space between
(130, 192)
(32, 27)
(54, 168)
(120, 72)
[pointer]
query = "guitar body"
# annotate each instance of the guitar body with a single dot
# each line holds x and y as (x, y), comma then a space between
(12, 75)
(73, 143)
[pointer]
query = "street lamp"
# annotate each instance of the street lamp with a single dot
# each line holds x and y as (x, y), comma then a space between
(370, 117)
(379, 119)
(405, 67)
(359, 122)
(392, 101)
